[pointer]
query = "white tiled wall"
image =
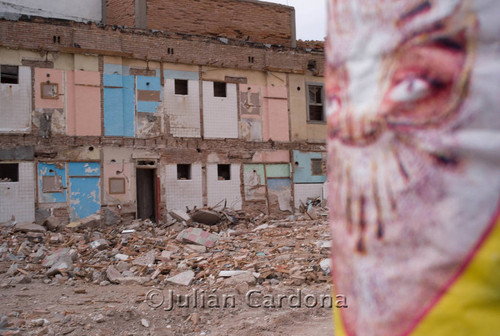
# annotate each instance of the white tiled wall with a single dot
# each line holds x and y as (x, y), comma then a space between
(220, 190)
(182, 193)
(15, 103)
(18, 198)
(183, 111)
(220, 115)
(304, 190)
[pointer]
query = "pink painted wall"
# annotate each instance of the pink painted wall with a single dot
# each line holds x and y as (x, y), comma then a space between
(84, 103)
(274, 156)
(275, 113)
(54, 76)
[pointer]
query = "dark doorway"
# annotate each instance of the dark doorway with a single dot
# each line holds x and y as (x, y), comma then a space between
(146, 205)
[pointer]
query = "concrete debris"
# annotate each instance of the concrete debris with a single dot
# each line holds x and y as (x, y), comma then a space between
(99, 244)
(198, 236)
(208, 217)
(325, 265)
(113, 274)
(145, 323)
(88, 222)
(240, 250)
(110, 217)
(52, 223)
(180, 215)
(246, 277)
(121, 257)
(145, 259)
(29, 227)
(183, 278)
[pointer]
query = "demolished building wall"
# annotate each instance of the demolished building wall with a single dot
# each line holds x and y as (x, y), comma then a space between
(193, 128)
(250, 20)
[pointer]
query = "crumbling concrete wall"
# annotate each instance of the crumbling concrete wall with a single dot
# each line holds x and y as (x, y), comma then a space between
(183, 110)
(17, 199)
(303, 167)
(183, 193)
(275, 114)
(301, 128)
(83, 103)
(75, 10)
(15, 106)
(302, 191)
(225, 191)
(220, 114)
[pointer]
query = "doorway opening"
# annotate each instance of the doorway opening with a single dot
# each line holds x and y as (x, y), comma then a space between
(146, 192)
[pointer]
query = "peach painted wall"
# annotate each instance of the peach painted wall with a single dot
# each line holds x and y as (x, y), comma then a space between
(84, 103)
(275, 113)
(54, 76)
(271, 156)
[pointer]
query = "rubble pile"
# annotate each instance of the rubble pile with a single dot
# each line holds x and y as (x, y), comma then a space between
(195, 247)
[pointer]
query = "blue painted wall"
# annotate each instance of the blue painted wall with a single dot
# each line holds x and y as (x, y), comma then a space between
(302, 173)
(45, 169)
(85, 189)
(148, 84)
(119, 105)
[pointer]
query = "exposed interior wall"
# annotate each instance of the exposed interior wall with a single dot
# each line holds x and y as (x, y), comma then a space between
(250, 112)
(117, 163)
(83, 103)
(17, 199)
(183, 193)
(301, 129)
(304, 190)
(275, 114)
(273, 156)
(302, 171)
(220, 114)
(183, 110)
(75, 10)
(15, 106)
(220, 190)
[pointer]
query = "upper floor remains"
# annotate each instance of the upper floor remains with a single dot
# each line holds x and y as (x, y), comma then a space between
(245, 20)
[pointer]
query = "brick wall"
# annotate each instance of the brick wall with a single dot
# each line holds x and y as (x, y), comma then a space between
(238, 19)
(120, 12)
(38, 35)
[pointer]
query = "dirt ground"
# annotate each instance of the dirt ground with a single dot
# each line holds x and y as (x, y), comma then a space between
(138, 278)
(78, 308)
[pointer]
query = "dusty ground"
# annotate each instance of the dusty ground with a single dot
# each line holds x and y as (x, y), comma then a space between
(78, 308)
(282, 261)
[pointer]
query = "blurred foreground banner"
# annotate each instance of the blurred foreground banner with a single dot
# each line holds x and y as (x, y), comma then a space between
(413, 91)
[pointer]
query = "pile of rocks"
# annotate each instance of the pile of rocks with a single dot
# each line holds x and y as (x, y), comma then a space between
(201, 246)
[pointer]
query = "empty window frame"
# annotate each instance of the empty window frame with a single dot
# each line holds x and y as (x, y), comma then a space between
(315, 102)
(52, 184)
(50, 90)
(116, 185)
(183, 171)
(220, 89)
(317, 167)
(181, 87)
(9, 172)
(224, 172)
(9, 74)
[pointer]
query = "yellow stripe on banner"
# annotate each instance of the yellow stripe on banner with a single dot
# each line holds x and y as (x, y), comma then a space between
(471, 306)
(337, 319)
